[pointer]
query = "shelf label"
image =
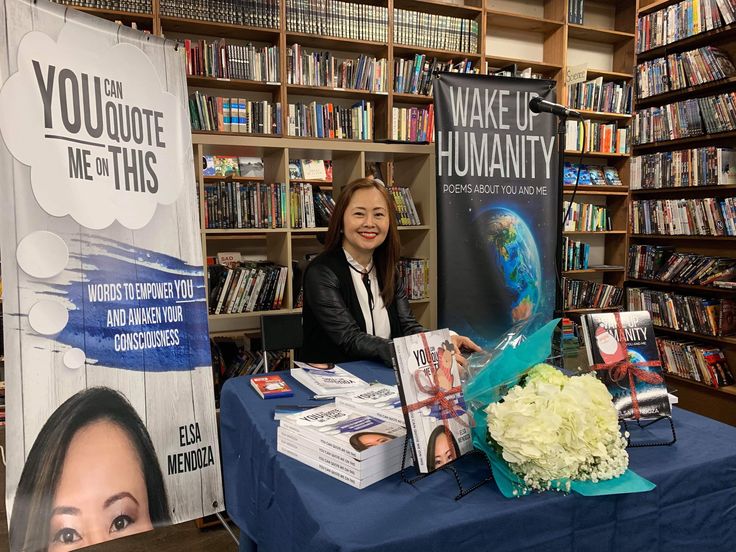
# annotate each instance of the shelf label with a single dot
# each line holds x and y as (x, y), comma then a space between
(575, 74)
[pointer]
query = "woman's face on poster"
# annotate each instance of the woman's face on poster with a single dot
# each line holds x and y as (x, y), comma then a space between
(102, 492)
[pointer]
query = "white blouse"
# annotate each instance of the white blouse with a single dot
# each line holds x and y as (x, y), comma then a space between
(378, 324)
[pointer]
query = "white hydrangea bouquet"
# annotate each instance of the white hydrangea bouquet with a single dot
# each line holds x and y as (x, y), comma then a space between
(542, 429)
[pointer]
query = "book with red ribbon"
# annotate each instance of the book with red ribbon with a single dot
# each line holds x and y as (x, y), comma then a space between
(432, 400)
(623, 352)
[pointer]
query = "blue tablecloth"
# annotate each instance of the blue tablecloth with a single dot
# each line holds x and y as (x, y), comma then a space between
(283, 505)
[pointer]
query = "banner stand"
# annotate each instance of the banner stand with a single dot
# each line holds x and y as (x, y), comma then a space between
(462, 492)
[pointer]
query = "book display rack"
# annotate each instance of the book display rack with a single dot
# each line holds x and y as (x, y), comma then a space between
(682, 213)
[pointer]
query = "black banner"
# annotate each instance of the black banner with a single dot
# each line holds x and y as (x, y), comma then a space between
(497, 204)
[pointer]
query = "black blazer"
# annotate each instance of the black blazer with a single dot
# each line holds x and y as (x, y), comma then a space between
(333, 324)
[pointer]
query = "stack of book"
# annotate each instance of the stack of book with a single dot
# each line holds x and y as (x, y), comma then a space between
(595, 175)
(378, 400)
(698, 362)
(223, 60)
(599, 137)
(413, 124)
(406, 211)
(707, 216)
(324, 69)
(328, 120)
(570, 340)
(709, 166)
(595, 95)
(415, 275)
(254, 13)
(701, 315)
(218, 114)
(355, 448)
(235, 204)
(586, 294)
(249, 287)
(328, 380)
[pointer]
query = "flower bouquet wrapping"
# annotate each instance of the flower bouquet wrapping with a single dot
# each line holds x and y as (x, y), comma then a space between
(542, 429)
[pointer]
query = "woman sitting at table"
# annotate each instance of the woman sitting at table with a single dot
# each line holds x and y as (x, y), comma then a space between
(354, 303)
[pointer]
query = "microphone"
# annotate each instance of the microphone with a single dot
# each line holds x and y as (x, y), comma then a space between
(538, 105)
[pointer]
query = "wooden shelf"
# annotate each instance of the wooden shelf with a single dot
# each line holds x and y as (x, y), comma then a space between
(702, 39)
(730, 340)
(687, 190)
(592, 310)
(537, 66)
(595, 232)
(413, 228)
(412, 98)
(440, 7)
(683, 238)
(686, 93)
(656, 5)
(608, 75)
(590, 190)
(444, 55)
(309, 230)
(223, 133)
(604, 115)
(597, 34)
(419, 301)
(599, 154)
(680, 287)
(593, 270)
(326, 183)
(334, 43)
(220, 30)
(326, 91)
(233, 84)
(728, 390)
(508, 20)
(232, 177)
(242, 231)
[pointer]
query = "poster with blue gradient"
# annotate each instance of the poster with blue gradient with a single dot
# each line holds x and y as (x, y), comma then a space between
(111, 426)
(497, 204)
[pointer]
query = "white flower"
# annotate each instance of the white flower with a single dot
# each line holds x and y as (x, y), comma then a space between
(556, 427)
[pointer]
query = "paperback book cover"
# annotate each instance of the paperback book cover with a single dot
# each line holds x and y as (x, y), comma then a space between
(425, 370)
(347, 432)
(328, 381)
(379, 400)
(271, 386)
(625, 341)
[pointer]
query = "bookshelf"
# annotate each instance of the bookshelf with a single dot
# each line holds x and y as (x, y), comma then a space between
(719, 403)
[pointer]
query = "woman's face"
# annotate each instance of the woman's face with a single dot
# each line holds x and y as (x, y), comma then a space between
(373, 439)
(444, 451)
(102, 491)
(365, 223)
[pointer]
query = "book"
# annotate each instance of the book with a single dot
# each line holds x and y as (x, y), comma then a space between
(230, 259)
(208, 165)
(271, 386)
(379, 400)
(295, 169)
(251, 167)
(608, 343)
(611, 176)
(425, 366)
(346, 432)
(313, 169)
(329, 381)
(281, 410)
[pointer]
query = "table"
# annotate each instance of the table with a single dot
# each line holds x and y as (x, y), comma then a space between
(283, 505)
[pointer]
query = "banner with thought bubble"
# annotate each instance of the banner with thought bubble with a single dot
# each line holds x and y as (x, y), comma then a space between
(111, 425)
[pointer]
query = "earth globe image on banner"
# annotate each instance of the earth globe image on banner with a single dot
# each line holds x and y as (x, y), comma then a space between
(514, 257)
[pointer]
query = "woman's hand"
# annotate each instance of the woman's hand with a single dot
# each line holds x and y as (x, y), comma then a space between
(460, 342)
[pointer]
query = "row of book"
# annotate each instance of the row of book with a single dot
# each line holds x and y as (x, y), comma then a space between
(663, 263)
(232, 165)
(250, 287)
(698, 362)
(328, 120)
(406, 210)
(677, 71)
(587, 294)
(310, 207)
(132, 6)
(585, 217)
(575, 254)
(218, 114)
(414, 274)
(224, 60)
(709, 166)
(253, 13)
(684, 217)
(315, 68)
(590, 175)
(234, 204)
(596, 95)
(599, 137)
(691, 117)
(682, 20)
(413, 124)
(687, 313)
(339, 19)
(437, 32)
(414, 76)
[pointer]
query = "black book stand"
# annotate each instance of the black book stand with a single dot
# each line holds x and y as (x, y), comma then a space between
(637, 425)
(450, 467)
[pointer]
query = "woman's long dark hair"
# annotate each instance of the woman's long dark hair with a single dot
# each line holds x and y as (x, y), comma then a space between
(386, 255)
(432, 443)
(29, 523)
